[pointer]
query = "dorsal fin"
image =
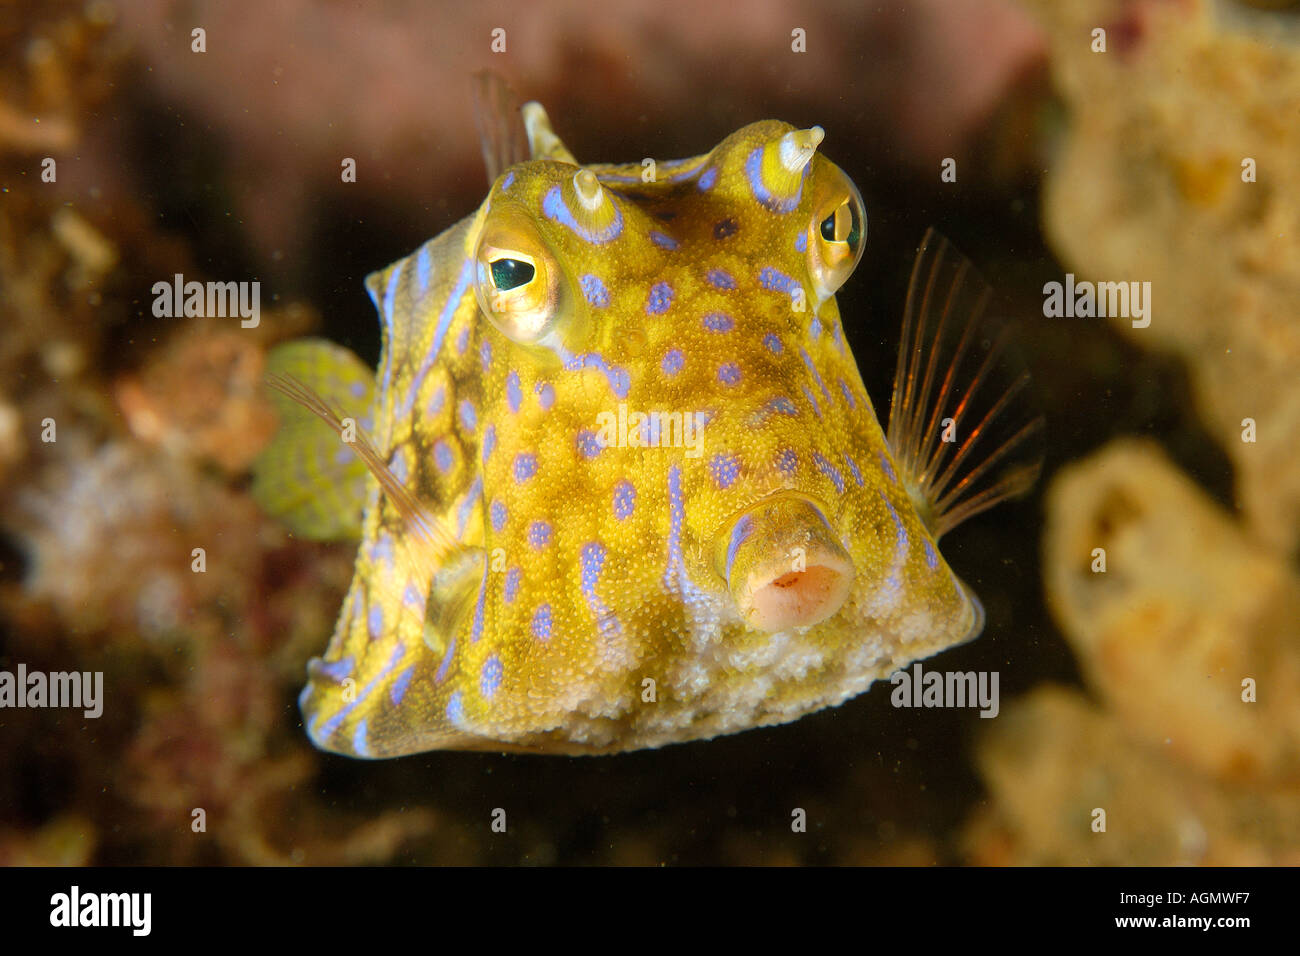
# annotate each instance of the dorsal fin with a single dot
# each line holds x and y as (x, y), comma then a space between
(962, 446)
(501, 131)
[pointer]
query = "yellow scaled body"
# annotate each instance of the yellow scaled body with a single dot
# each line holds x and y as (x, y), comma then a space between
(633, 489)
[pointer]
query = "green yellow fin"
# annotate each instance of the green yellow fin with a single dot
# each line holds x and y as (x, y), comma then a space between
(307, 477)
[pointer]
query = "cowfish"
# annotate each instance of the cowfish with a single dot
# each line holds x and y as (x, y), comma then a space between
(616, 479)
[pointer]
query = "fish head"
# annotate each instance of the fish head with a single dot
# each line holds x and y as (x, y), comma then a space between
(630, 488)
(685, 467)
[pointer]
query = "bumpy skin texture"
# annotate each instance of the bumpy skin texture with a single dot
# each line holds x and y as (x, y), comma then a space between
(591, 614)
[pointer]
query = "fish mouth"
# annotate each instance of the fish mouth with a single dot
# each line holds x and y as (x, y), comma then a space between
(783, 564)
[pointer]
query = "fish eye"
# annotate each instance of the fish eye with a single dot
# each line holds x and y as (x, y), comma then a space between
(520, 285)
(510, 274)
(836, 235)
(843, 225)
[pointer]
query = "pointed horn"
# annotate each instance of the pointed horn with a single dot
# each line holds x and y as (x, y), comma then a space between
(542, 141)
(776, 170)
(797, 147)
(592, 213)
(587, 187)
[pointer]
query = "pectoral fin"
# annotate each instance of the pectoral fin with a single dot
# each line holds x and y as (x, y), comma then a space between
(962, 427)
(306, 476)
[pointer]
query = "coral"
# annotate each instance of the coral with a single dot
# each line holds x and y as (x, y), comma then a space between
(1055, 759)
(1188, 608)
(1149, 185)
(1189, 764)
(1183, 616)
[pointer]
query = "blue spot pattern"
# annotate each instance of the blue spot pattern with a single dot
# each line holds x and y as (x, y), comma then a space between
(336, 671)
(672, 362)
(624, 499)
(542, 622)
(754, 173)
(728, 373)
(539, 534)
(776, 280)
(660, 298)
(525, 466)
(619, 379)
(724, 469)
(739, 535)
(397, 690)
(588, 444)
(812, 400)
(830, 471)
(442, 456)
(490, 680)
(468, 417)
(854, 470)
(498, 511)
(514, 397)
(720, 279)
(553, 207)
(455, 711)
(662, 240)
(594, 290)
(513, 577)
(812, 370)
(719, 322)
(782, 406)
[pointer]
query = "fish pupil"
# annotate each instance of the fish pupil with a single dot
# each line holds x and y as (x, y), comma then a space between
(511, 273)
(828, 228)
(855, 230)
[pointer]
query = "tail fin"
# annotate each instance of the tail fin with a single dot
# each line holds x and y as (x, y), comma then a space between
(961, 425)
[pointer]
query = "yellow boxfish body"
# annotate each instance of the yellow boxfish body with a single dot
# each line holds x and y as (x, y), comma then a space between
(619, 483)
